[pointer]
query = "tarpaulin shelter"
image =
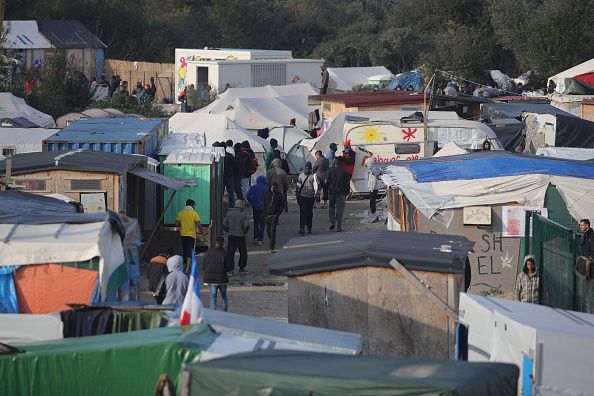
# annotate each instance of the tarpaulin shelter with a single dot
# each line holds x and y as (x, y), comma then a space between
(496, 111)
(529, 336)
(14, 107)
(510, 132)
(560, 79)
(62, 258)
(15, 201)
(302, 373)
(558, 130)
(24, 140)
(413, 78)
(65, 120)
(343, 79)
(569, 153)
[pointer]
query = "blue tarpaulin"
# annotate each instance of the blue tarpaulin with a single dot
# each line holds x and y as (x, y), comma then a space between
(8, 297)
(487, 164)
(405, 79)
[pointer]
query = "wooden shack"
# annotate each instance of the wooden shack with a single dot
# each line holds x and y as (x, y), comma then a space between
(398, 290)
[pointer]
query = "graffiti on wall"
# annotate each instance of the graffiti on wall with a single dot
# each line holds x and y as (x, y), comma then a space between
(182, 72)
(493, 262)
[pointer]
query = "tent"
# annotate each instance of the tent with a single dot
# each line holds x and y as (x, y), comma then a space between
(260, 113)
(345, 78)
(450, 149)
(63, 122)
(528, 336)
(66, 245)
(405, 79)
(560, 78)
(216, 128)
(287, 136)
(303, 373)
(229, 96)
(434, 184)
(14, 107)
(24, 140)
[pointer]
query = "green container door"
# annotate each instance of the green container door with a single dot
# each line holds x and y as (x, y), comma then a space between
(199, 176)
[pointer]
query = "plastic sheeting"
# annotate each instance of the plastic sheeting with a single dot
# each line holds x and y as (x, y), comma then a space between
(260, 113)
(8, 297)
(12, 106)
(345, 78)
(570, 153)
(26, 328)
(450, 149)
(405, 79)
(25, 140)
(14, 201)
(582, 68)
(573, 132)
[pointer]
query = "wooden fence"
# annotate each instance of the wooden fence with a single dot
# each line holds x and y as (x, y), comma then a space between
(133, 72)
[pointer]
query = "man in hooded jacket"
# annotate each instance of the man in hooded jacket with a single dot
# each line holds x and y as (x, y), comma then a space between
(278, 176)
(274, 203)
(176, 282)
(528, 282)
(237, 225)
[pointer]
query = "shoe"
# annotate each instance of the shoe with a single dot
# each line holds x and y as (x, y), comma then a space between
(243, 271)
(255, 242)
(309, 230)
(339, 229)
(230, 273)
(332, 226)
(301, 232)
(272, 250)
(259, 243)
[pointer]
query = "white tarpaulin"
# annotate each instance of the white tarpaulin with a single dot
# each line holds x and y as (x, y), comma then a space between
(216, 128)
(25, 140)
(26, 244)
(260, 113)
(450, 148)
(14, 107)
(345, 78)
(28, 328)
(25, 35)
(582, 68)
(572, 153)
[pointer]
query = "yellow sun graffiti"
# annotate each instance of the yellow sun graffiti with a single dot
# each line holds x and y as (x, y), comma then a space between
(371, 135)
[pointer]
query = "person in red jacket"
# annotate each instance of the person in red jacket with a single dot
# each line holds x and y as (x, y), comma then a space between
(347, 160)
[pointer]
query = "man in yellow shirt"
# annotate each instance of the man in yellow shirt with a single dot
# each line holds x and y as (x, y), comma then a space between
(189, 225)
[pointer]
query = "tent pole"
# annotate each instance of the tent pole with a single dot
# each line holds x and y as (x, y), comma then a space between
(157, 226)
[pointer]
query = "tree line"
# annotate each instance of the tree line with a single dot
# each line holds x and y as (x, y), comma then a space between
(464, 37)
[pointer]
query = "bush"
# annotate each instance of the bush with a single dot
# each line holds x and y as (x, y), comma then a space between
(130, 105)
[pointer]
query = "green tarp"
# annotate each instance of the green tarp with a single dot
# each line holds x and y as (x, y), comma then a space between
(114, 364)
(306, 373)
(124, 321)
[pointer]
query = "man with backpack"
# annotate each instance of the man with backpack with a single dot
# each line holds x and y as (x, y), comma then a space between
(251, 167)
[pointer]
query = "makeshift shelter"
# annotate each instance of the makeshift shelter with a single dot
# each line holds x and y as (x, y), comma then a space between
(561, 79)
(260, 113)
(200, 168)
(14, 201)
(287, 137)
(352, 284)
(496, 111)
(23, 140)
(60, 258)
(12, 107)
(288, 372)
(216, 128)
(413, 78)
(509, 132)
(484, 196)
(343, 79)
(569, 153)
(450, 148)
(331, 105)
(528, 336)
(66, 120)
(558, 131)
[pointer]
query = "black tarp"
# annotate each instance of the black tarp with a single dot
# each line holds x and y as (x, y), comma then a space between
(574, 132)
(509, 132)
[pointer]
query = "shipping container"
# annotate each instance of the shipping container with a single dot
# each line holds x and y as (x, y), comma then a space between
(113, 135)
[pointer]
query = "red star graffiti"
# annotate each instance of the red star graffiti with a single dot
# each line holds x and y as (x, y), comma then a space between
(409, 134)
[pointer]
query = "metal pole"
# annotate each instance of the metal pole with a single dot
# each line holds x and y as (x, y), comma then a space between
(148, 242)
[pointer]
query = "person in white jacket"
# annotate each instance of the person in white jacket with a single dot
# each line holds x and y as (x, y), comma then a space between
(372, 185)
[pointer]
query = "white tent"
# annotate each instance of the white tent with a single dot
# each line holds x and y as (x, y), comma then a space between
(15, 107)
(345, 78)
(287, 136)
(25, 35)
(582, 68)
(216, 128)
(450, 148)
(24, 140)
(552, 347)
(573, 153)
(27, 244)
(227, 98)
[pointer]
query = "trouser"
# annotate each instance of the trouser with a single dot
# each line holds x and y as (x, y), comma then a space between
(237, 243)
(336, 209)
(306, 212)
(271, 223)
(229, 182)
(237, 187)
(372, 199)
(213, 296)
(258, 224)
(245, 185)
(322, 193)
(187, 245)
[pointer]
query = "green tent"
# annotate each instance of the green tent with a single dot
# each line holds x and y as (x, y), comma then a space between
(113, 364)
(308, 373)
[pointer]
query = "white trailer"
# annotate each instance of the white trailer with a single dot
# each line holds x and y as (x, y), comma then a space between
(553, 348)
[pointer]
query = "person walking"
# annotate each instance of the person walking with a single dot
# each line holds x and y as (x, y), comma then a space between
(156, 273)
(229, 172)
(215, 268)
(250, 168)
(255, 196)
(236, 224)
(189, 225)
(239, 169)
(305, 198)
(338, 188)
(274, 203)
(320, 169)
(527, 283)
(270, 153)
(277, 175)
(347, 159)
(176, 283)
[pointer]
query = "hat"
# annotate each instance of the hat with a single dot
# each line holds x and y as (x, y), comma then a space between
(347, 143)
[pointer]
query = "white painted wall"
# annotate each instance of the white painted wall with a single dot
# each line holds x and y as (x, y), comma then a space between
(305, 70)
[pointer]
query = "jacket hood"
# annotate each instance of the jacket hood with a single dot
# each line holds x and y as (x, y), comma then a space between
(276, 162)
(261, 179)
(175, 263)
(529, 256)
(239, 204)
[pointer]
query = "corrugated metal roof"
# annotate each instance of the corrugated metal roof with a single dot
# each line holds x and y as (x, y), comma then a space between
(69, 34)
(189, 157)
(354, 99)
(86, 161)
(331, 252)
(108, 130)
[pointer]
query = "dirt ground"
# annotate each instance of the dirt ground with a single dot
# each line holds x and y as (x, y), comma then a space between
(258, 293)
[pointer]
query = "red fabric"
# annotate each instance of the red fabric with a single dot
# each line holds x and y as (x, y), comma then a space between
(45, 288)
(587, 78)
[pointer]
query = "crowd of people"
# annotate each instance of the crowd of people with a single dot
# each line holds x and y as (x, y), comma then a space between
(118, 87)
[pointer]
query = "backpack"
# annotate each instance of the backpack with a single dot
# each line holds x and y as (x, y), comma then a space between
(253, 164)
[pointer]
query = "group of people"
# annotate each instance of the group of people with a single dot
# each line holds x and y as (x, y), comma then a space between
(118, 87)
(192, 99)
